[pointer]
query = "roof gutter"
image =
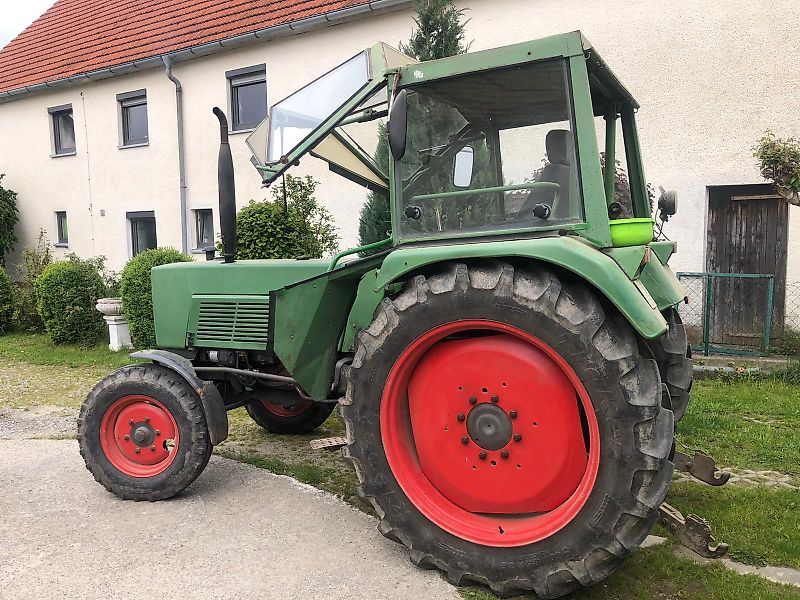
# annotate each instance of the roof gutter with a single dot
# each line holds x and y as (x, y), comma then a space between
(334, 17)
(181, 160)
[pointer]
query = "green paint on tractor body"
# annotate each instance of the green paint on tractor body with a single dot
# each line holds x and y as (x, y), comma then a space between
(463, 110)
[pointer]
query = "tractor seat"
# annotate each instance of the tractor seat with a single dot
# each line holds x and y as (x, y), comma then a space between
(559, 146)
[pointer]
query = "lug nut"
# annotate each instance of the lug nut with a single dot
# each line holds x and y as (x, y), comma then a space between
(460, 417)
(482, 455)
(147, 419)
(517, 437)
(130, 421)
(513, 414)
(504, 454)
(495, 399)
(464, 440)
(138, 450)
(473, 400)
(127, 437)
(158, 432)
(152, 448)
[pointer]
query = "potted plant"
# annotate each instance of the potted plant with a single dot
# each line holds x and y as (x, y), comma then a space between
(779, 162)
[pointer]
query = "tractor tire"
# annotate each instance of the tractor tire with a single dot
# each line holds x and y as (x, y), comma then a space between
(674, 357)
(143, 433)
(577, 485)
(276, 418)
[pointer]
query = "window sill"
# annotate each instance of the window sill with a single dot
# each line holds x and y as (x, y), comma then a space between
(63, 154)
(126, 146)
(199, 251)
(61, 245)
(238, 131)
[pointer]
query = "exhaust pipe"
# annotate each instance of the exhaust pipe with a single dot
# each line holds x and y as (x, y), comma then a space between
(227, 190)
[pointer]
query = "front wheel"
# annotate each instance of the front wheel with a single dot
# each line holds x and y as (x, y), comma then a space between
(143, 433)
(507, 430)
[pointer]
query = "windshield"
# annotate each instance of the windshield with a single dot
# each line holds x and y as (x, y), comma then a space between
(291, 120)
(489, 151)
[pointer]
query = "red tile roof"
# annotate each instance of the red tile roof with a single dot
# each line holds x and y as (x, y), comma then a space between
(79, 36)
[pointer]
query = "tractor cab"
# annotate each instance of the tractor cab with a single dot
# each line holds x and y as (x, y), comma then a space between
(497, 143)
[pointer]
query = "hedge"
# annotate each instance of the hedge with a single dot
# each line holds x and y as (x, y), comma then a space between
(7, 305)
(66, 295)
(136, 291)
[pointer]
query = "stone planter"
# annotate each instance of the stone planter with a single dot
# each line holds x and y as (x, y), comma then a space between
(119, 334)
(110, 307)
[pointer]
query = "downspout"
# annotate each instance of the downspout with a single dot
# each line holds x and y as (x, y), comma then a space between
(181, 159)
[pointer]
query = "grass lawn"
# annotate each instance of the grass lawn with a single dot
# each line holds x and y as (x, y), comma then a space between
(38, 350)
(747, 424)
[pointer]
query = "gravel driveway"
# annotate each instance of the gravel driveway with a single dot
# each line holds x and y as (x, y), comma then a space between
(237, 532)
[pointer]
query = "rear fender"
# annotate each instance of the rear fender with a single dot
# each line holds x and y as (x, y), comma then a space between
(210, 398)
(608, 276)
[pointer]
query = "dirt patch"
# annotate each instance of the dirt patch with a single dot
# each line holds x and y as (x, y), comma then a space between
(44, 421)
(26, 386)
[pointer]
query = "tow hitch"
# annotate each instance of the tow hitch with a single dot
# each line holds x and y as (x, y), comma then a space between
(692, 531)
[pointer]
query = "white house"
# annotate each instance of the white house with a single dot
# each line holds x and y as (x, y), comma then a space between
(109, 160)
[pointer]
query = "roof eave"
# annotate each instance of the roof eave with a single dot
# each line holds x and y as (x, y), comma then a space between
(334, 17)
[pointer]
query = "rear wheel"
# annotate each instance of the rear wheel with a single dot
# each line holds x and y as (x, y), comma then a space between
(143, 434)
(288, 417)
(674, 357)
(506, 430)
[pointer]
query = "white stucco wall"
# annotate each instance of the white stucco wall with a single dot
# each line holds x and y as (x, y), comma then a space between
(710, 76)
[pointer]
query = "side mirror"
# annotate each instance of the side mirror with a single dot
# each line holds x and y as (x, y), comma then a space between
(398, 122)
(668, 203)
(462, 167)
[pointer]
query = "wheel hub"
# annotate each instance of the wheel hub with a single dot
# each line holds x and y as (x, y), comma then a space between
(496, 425)
(489, 427)
(139, 436)
(142, 434)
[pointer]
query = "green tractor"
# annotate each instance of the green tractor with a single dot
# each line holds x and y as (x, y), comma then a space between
(509, 362)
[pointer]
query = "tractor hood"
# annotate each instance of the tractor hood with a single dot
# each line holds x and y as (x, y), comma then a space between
(306, 121)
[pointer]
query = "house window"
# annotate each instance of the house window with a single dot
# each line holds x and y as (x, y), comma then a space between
(204, 228)
(143, 231)
(133, 117)
(248, 95)
(61, 227)
(63, 129)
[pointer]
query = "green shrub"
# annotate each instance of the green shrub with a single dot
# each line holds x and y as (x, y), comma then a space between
(295, 227)
(9, 215)
(136, 291)
(34, 261)
(6, 302)
(67, 292)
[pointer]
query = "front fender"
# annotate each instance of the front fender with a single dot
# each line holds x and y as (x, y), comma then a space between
(210, 398)
(631, 297)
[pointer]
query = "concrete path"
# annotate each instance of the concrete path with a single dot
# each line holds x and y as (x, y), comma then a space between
(237, 532)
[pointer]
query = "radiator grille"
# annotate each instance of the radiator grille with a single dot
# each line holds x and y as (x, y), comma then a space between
(227, 322)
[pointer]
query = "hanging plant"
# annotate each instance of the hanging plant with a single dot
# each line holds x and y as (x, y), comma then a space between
(779, 161)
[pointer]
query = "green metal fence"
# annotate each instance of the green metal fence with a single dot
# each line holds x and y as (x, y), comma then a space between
(729, 313)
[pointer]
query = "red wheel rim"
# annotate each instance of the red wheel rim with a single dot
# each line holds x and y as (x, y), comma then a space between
(520, 485)
(139, 436)
(279, 410)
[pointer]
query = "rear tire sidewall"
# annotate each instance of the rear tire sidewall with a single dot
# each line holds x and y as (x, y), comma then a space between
(306, 422)
(611, 497)
(190, 458)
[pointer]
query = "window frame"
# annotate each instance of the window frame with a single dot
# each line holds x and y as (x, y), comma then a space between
(198, 212)
(134, 218)
(62, 229)
(126, 101)
(237, 78)
(56, 112)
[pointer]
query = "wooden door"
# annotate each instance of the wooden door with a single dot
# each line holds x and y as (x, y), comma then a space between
(747, 231)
